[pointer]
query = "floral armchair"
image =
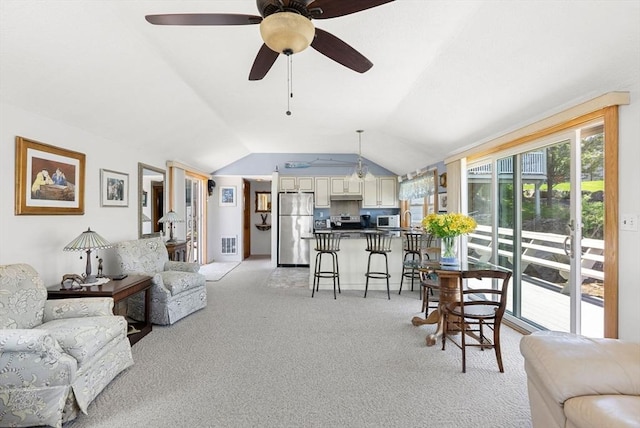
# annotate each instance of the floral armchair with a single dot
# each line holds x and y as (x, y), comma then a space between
(178, 289)
(56, 356)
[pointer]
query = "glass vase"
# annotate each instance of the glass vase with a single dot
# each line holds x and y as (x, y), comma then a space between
(449, 250)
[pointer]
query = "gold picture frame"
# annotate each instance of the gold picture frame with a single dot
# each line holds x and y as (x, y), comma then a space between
(40, 192)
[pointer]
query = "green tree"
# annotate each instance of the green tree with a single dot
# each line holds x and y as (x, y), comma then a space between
(558, 167)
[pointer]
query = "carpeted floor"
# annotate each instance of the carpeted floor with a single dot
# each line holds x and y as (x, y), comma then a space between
(265, 356)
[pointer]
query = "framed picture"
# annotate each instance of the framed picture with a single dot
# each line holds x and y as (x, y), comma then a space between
(227, 196)
(442, 202)
(114, 188)
(49, 180)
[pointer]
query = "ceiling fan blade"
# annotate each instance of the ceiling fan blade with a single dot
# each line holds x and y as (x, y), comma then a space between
(335, 8)
(203, 19)
(334, 48)
(263, 62)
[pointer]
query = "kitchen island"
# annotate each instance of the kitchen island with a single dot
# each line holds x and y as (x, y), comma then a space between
(352, 260)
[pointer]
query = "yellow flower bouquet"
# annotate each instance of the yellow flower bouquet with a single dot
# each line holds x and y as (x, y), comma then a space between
(447, 227)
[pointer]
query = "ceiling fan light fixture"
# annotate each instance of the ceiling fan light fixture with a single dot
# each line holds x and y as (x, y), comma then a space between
(287, 32)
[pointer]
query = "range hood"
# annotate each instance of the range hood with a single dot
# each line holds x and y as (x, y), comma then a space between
(345, 197)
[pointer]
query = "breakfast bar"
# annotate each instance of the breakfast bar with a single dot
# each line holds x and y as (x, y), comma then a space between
(352, 259)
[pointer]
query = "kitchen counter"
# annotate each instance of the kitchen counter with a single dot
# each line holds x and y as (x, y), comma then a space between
(352, 259)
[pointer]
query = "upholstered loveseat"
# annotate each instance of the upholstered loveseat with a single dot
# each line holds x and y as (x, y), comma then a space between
(178, 289)
(575, 381)
(56, 356)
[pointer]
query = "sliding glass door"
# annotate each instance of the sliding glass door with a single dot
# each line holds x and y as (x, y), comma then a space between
(540, 213)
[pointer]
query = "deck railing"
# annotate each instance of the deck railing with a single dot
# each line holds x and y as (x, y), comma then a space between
(541, 249)
(533, 163)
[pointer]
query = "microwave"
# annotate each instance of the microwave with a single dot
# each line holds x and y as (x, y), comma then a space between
(388, 220)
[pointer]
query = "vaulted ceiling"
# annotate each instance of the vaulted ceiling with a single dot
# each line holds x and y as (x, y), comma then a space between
(446, 75)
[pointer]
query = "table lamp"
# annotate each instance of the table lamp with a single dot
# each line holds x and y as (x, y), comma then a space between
(170, 217)
(87, 241)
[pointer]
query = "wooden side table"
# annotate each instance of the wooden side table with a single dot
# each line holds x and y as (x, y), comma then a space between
(118, 290)
(177, 250)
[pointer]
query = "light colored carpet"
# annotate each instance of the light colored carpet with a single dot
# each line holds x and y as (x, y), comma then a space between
(289, 277)
(215, 271)
(262, 356)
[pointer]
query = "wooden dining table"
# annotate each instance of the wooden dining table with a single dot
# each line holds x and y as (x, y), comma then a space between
(448, 280)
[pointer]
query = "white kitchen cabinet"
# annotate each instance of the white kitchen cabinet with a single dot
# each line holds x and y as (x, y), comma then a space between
(380, 193)
(344, 186)
(322, 192)
(296, 184)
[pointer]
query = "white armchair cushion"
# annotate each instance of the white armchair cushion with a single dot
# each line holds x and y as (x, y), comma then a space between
(77, 308)
(22, 297)
(177, 282)
(46, 354)
(85, 337)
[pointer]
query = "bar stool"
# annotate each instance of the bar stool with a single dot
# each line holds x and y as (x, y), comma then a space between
(412, 247)
(326, 243)
(378, 243)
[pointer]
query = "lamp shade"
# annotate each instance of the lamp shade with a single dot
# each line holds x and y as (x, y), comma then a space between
(170, 217)
(287, 32)
(88, 240)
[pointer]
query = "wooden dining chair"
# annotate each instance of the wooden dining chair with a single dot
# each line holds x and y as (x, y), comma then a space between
(430, 284)
(478, 309)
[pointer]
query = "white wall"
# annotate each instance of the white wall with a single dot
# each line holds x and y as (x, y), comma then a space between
(38, 240)
(224, 221)
(629, 203)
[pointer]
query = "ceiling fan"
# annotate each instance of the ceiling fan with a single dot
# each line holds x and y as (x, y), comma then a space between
(285, 27)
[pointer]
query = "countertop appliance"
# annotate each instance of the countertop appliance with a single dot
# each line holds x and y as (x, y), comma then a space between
(345, 222)
(388, 220)
(295, 222)
(365, 221)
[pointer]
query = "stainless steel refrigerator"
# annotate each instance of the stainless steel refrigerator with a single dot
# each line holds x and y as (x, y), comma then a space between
(295, 221)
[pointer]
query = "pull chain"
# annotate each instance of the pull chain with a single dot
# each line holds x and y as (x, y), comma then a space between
(289, 81)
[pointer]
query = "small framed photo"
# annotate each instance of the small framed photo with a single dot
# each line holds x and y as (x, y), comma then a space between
(114, 188)
(49, 180)
(442, 202)
(227, 196)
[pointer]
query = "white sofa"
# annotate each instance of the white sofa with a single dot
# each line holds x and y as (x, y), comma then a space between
(575, 381)
(56, 356)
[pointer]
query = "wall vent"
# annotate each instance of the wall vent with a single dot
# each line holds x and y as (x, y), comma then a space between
(229, 245)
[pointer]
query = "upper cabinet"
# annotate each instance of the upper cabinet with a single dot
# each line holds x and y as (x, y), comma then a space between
(380, 193)
(296, 184)
(344, 186)
(322, 192)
